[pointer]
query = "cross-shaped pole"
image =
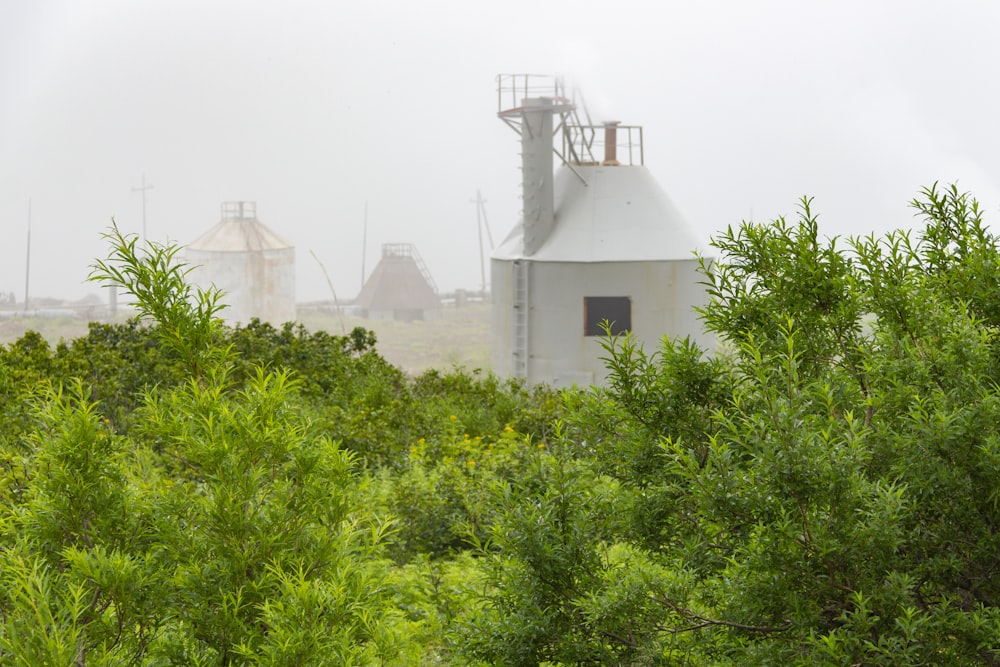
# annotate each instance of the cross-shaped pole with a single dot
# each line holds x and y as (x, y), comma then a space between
(143, 189)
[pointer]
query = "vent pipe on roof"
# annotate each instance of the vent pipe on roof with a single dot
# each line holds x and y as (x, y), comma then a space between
(536, 172)
(611, 143)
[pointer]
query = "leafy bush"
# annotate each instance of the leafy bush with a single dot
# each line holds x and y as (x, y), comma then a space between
(221, 528)
(821, 491)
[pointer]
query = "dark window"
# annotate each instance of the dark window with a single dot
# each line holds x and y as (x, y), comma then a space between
(615, 309)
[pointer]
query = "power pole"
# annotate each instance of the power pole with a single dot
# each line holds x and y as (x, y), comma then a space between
(143, 189)
(364, 246)
(27, 260)
(481, 222)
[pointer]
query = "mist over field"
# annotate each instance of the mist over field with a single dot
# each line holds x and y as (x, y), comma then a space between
(319, 110)
(786, 453)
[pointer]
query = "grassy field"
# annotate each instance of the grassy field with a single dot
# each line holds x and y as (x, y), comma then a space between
(456, 337)
(54, 329)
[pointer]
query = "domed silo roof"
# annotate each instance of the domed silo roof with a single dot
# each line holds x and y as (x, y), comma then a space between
(251, 264)
(619, 214)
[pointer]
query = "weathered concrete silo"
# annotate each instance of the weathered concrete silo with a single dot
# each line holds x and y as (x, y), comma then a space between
(400, 287)
(250, 263)
(599, 240)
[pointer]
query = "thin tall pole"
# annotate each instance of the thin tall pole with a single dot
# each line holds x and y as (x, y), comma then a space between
(336, 301)
(27, 260)
(479, 233)
(364, 245)
(481, 223)
(143, 189)
(486, 222)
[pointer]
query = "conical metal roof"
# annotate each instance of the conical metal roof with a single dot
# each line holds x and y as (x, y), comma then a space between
(239, 235)
(239, 231)
(399, 282)
(620, 214)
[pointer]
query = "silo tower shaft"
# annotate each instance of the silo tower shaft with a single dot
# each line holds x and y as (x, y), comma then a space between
(534, 119)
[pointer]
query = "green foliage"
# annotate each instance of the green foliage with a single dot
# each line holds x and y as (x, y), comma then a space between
(484, 404)
(321, 361)
(24, 369)
(186, 317)
(119, 363)
(39, 624)
(820, 491)
(538, 558)
(436, 596)
(770, 273)
(266, 515)
(443, 496)
(222, 528)
(78, 551)
(562, 592)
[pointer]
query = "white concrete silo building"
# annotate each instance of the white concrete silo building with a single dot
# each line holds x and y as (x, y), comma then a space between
(598, 240)
(251, 264)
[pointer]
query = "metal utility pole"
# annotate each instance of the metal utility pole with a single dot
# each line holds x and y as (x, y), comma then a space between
(480, 223)
(364, 246)
(143, 189)
(27, 261)
(486, 223)
(479, 230)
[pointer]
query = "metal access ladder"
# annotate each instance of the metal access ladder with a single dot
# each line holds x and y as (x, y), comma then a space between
(520, 351)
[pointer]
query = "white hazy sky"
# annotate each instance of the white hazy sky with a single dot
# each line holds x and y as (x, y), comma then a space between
(313, 108)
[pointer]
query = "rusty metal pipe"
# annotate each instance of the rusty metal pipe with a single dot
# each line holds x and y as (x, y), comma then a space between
(611, 142)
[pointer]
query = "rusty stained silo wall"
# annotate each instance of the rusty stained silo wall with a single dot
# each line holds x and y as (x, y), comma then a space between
(251, 264)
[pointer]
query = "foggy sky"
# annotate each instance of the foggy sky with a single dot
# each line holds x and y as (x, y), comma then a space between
(312, 109)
